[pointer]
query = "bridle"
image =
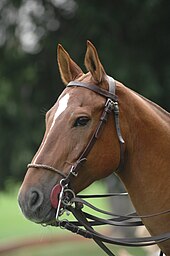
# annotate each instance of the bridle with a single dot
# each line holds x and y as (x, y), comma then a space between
(111, 105)
(67, 198)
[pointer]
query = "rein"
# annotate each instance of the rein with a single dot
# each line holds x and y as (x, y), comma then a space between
(63, 199)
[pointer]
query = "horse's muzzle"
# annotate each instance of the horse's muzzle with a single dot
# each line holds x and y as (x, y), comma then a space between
(35, 206)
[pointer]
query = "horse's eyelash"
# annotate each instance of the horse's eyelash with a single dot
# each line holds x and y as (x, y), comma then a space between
(43, 111)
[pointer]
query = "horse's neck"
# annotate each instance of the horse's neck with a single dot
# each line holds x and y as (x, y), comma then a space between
(147, 138)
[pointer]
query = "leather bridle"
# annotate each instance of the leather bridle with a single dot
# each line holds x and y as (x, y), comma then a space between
(111, 105)
(67, 198)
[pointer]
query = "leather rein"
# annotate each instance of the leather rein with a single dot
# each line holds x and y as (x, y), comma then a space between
(64, 199)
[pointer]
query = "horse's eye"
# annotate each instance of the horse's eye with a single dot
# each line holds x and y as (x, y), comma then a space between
(81, 121)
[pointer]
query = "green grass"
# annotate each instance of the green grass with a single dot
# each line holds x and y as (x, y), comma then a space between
(13, 223)
(14, 227)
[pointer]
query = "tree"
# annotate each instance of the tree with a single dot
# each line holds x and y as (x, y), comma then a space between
(132, 38)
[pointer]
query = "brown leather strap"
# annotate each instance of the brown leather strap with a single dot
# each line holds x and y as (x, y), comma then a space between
(119, 134)
(80, 200)
(83, 157)
(94, 88)
(136, 242)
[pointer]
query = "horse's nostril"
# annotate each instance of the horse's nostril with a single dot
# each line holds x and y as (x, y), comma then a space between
(35, 199)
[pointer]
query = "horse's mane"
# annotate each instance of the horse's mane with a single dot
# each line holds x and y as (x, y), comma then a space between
(160, 109)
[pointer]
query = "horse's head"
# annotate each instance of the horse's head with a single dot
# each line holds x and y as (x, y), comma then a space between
(70, 125)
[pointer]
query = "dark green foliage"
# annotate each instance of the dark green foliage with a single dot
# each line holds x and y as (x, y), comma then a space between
(132, 38)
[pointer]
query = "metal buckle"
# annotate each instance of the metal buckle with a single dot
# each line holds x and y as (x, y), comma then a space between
(109, 106)
(116, 108)
(73, 172)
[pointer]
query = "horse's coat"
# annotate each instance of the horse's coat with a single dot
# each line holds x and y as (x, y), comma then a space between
(146, 131)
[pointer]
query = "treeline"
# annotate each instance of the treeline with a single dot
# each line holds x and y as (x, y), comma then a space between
(132, 38)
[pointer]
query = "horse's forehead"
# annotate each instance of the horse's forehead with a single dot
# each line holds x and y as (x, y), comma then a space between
(71, 98)
(74, 97)
(62, 105)
(65, 101)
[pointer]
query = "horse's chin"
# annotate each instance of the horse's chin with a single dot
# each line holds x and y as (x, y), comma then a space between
(41, 218)
(47, 219)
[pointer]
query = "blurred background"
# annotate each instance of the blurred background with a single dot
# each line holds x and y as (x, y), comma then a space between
(133, 41)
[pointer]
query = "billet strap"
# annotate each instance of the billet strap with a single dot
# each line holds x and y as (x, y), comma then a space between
(112, 89)
(119, 134)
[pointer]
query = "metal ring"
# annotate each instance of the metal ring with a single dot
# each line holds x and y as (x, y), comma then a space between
(65, 201)
(59, 223)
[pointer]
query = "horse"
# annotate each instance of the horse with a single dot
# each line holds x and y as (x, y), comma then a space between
(136, 149)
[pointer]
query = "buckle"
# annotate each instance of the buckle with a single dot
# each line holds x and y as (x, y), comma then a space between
(109, 106)
(73, 172)
(116, 108)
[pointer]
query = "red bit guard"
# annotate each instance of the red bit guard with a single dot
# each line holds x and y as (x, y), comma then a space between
(54, 196)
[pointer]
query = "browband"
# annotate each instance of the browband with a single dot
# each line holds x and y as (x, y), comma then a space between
(108, 94)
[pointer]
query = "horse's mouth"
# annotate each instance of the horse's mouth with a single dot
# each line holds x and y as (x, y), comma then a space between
(42, 218)
(48, 219)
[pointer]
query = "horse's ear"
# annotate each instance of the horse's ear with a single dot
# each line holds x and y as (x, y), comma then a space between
(69, 70)
(93, 63)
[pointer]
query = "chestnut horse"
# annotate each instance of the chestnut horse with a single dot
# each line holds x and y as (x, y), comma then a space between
(70, 124)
